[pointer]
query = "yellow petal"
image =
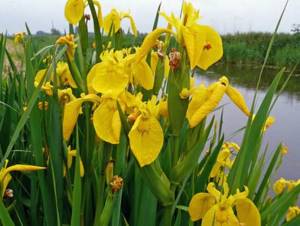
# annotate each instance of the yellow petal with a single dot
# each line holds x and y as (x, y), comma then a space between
(107, 122)
(237, 99)
(71, 113)
(24, 168)
(112, 21)
(154, 61)
(198, 98)
(212, 51)
(247, 212)
(81, 168)
(143, 74)
(194, 40)
(63, 71)
(149, 42)
(74, 11)
(215, 170)
(209, 218)
(200, 204)
(146, 140)
(4, 182)
(110, 78)
(90, 77)
(132, 23)
(100, 18)
(210, 104)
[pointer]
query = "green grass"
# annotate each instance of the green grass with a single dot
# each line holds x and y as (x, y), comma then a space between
(250, 48)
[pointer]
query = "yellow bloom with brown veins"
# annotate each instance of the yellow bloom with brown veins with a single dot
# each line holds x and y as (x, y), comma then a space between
(112, 21)
(216, 209)
(69, 41)
(203, 43)
(146, 135)
(5, 173)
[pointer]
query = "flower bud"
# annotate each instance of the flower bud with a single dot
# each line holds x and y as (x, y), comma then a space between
(175, 58)
(116, 184)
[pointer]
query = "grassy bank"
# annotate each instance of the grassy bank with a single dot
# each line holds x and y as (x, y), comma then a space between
(250, 48)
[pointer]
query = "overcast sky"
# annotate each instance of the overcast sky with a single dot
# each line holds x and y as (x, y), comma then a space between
(227, 16)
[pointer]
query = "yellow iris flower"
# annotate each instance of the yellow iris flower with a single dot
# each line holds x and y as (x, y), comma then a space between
(203, 43)
(5, 176)
(206, 99)
(69, 41)
(146, 135)
(216, 209)
(224, 160)
(19, 37)
(62, 71)
(74, 11)
(113, 21)
(117, 69)
(293, 212)
(282, 184)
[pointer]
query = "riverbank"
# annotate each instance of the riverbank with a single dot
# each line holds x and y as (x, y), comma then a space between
(251, 48)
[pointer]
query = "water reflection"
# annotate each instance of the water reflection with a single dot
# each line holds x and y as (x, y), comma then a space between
(286, 111)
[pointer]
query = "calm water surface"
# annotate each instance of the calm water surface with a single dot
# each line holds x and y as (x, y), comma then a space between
(286, 111)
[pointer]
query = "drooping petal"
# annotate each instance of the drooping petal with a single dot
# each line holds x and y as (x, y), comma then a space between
(200, 204)
(143, 75)
(146, 139)
(71, 113)
(237, 99)
(198, 98)
(194, 40)
(149, 42)
(110, 78)
(74, 11)
(154, 61)
(39, 76)
(210, 104)
(99, 12)
(4, 182)
(112, 21)
(107, 122)
(23, 168)
(247, 212)
(63, 71)
(132, 23)
(212, 50)
(209, 217)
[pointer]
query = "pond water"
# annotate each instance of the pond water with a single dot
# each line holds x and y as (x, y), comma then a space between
(285, 130)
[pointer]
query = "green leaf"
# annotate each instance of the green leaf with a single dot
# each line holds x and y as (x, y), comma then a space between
(4, 215)
(76, 197)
